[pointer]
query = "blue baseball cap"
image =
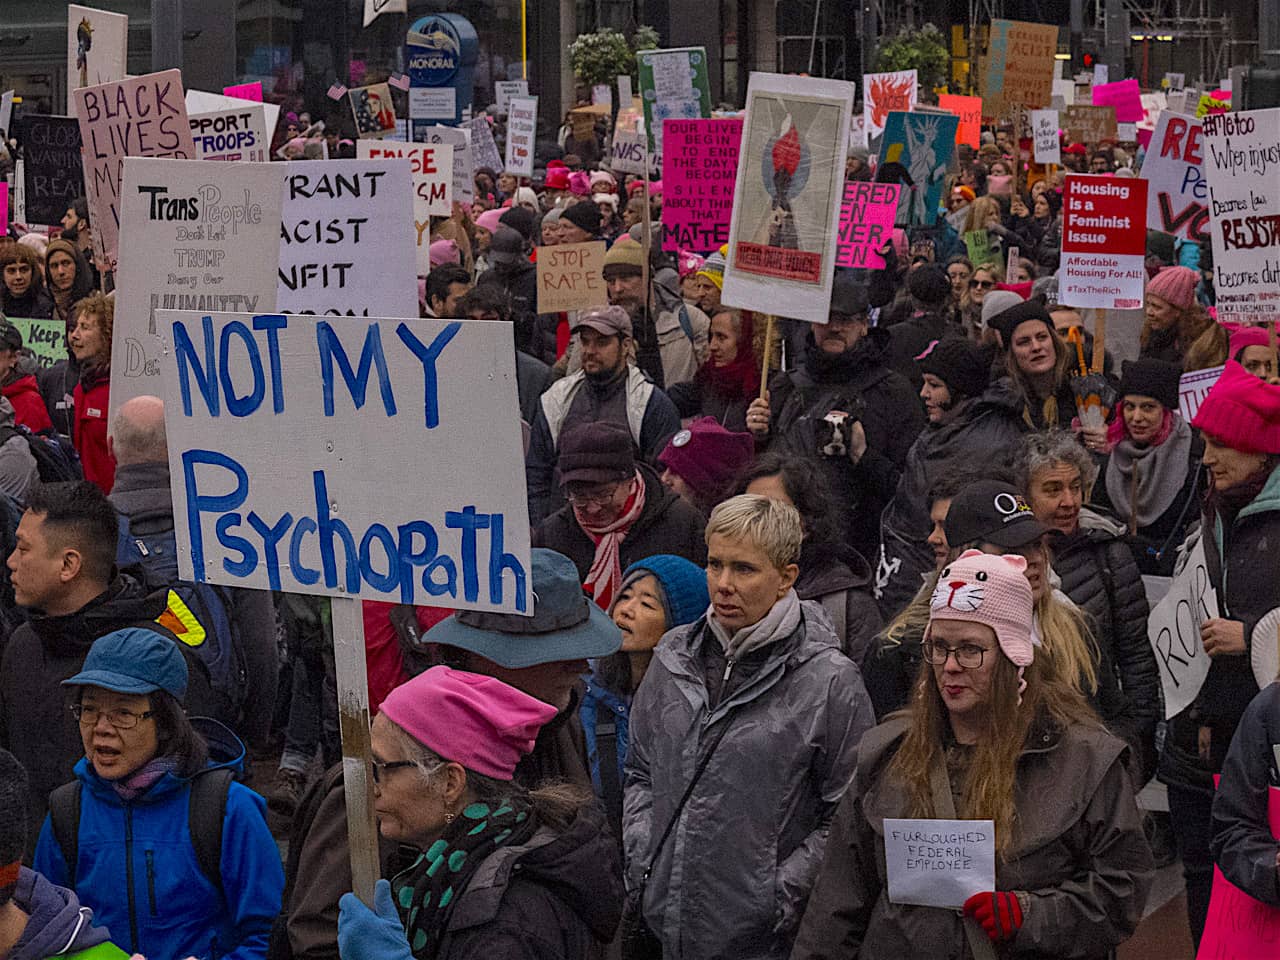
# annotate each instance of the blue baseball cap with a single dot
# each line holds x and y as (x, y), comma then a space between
(134, 660)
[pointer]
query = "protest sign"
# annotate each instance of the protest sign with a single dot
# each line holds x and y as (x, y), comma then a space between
(1090, 124)
(239, 134)
(1044, 133)
(969, 110)
(1237, 926)
(46, 339)
(19, 212)
(347, 239)
(1104, 242)
(431, 169)
(1241, 161)
(1193, 387)
(786, 198)
(1101, 74)
(374, 113)
(464, 167)
(602, 95)
(245, 91)
(97, 49)
(624, 91)
(883, 93)
(53, 174)
(448, 525)
(1173, 630)
(504, 90)
(1209, 104)
(628, 151)
(939, 863)
(1124, 95)
(699, 165)
(674, 85)
(201, 101)
(866, 221)
(376, 8)
(195, 235)
(6, 112)
(1177, 195)
(140, 117)
(916, 151)
(484, 152)
(1019, 66)
(978, 245)
(522, 129)
(1175, 81)
(4, 203)
(570, 278)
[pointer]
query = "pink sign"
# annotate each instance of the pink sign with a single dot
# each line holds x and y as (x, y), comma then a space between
(866, 223)
(4, 206)
(1125, 96)
(1239, 927)
(699, 165)
(245, 91)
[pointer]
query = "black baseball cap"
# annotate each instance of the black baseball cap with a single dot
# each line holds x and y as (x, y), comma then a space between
(991, 511)
(10, 336)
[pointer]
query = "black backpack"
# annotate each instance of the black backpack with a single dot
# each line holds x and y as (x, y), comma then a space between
(278, 947)
(56, 459)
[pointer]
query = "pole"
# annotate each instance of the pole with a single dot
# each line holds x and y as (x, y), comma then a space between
(813, 39)
(646, 234)
(768, 355)
(524, 39)
(1099, 341)
(353, 721)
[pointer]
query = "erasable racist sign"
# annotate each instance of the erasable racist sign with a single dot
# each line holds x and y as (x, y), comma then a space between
(570, 278)
(239, 134)
(1020, 65)
(939, 863)
(53, 175)
(1104, 242)
(431, 167)
(1178, 195)
(522, 128)
(866, 223)
(141, 117)
(699, 163)
(1089, 124)
(46, 339)
(969, 110)
(345, 512)
(1173, 630)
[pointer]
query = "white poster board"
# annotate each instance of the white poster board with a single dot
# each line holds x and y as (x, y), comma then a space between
(97, 49)
(464, 165)
(1173, 629)
(939, 863)
(1193, 387)
(484, 152)
(522, 130)
(6, 112)
(882, 94)
(201, 101)
(1178, 196)
(431, 166)
(238, 134)
(346, 513)
(504, 90)
(627, 152)
(1044, 131)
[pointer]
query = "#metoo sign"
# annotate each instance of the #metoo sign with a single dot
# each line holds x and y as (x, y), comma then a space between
(1104, 241)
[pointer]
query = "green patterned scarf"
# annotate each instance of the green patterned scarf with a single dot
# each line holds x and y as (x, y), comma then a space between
(426, 892)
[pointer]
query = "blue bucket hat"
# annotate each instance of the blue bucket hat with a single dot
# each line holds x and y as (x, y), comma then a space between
(683, 586)
(565, 625)
(134, 660)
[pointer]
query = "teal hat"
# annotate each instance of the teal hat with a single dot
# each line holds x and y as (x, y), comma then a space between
(134, 660)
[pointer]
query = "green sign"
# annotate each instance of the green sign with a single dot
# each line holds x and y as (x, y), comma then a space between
(46, 339)
(673, 86)
(978, 243)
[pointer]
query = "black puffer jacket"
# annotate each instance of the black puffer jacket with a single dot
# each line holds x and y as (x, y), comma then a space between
(1100, 577)
(839, 580)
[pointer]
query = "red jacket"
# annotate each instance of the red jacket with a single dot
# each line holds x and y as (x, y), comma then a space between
(91, 400)
(28, 405)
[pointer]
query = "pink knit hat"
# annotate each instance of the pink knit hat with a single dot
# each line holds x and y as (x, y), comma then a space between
(1242, 412)
(443, 251)
(1245, 336)
(490, 220)
(580, 183)
(474, 720)
(1176, 285)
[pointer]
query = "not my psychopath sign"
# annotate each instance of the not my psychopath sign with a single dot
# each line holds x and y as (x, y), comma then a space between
(699, 164)
(346, 513)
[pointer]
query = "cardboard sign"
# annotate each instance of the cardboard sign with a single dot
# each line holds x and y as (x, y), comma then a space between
(939, 863)
(140, 117)
(347, 239)
(1104, 242)
(97, 49)
(699, 165)
(504, 90)
(570, 278)
(916, 151)
(1238, 927)
(374, 112)
(1020, 66)
(522, 130)
(46, 339)
(1044, 134)
(866, 223)
(1089, 124)
(674, 85)
(346, 513)
(787, 195)
(232, 134)
(1178, 195)
(195, 235)
(1173, 629)
(464, 166)
(1124, 95)
(1241, 161)
(484, 151)
(1193, 387)
(431, 168)
(882, 94)
(969, 110)
(53, 174)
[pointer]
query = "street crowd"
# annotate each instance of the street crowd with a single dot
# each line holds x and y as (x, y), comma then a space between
(792, 580)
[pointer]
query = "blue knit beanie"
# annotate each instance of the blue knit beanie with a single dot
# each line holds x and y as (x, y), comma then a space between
(684, 586)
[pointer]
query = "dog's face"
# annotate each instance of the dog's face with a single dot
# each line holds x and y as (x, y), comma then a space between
(833, 434)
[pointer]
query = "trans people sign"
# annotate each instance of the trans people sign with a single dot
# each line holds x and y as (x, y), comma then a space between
(1104, 241)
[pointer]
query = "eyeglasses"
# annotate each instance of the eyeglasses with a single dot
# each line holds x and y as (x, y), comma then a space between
(968, 655)
(981, 284)
(380, 767)
(120, 719)
(597, 496)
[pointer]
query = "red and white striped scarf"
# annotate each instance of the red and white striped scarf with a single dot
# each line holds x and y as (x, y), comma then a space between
(605, 576)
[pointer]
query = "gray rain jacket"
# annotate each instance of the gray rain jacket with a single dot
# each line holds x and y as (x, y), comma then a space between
(733, 878)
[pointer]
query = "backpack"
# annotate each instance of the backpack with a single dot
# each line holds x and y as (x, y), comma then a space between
(56, 459)
(278, 946)
(198, 614)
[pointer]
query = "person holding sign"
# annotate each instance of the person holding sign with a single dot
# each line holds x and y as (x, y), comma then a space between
(991, 735)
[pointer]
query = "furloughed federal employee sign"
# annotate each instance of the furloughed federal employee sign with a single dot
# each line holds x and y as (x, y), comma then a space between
(1104, 242)
(348, 456)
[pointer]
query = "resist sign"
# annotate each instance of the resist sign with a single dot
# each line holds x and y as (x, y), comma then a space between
(1104, 237)
(699, 164)
(939, 863)
(447, 526)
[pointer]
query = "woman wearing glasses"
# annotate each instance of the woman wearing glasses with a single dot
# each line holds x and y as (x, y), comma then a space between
(139, 852)
(989, 735)
(982, 280)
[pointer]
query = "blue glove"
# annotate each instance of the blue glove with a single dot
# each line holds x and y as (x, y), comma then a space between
(376, 934)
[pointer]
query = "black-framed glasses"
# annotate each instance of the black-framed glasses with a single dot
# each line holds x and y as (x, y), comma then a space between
(981, 284)
(120, 719)
(597, 496)
(380, 767)
(968, 655)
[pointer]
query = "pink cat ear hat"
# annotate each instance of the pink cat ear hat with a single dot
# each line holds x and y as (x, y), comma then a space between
(982, 588)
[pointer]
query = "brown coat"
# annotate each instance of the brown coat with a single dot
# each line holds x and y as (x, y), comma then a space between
(1080, 857)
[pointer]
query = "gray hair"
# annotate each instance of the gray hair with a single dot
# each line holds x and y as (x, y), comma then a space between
(138, 434)
(1042, 451)
(772, 525)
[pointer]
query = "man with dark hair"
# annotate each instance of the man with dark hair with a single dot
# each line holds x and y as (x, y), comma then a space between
(490, 302)
(446, 285)
(64, 576)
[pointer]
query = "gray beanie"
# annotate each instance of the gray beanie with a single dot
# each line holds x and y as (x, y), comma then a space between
(997, 302)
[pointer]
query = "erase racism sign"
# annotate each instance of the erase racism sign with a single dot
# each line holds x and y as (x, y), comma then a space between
(345, 512)
(1104, 242)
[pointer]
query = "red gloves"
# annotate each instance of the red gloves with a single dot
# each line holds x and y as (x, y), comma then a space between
(998, 912)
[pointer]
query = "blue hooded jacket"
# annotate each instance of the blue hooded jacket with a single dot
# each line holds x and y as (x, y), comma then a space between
(138, 870)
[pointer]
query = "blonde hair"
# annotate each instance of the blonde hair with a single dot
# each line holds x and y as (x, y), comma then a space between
(979, 211)
(771, 525)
